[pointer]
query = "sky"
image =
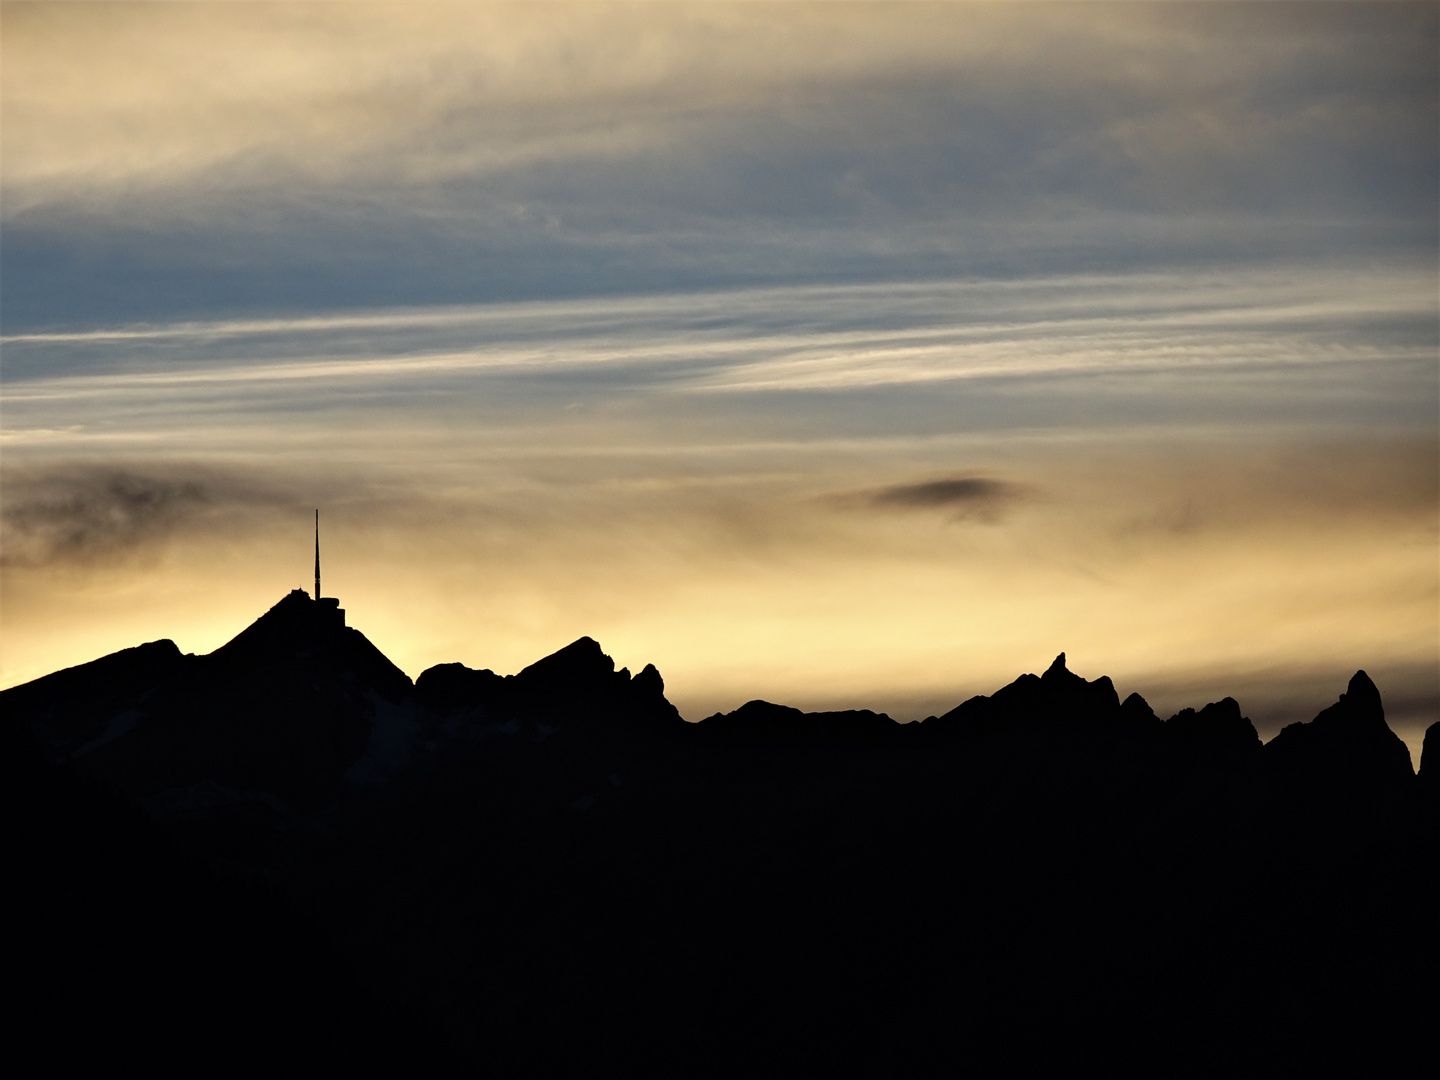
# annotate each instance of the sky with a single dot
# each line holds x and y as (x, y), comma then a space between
(836, 354)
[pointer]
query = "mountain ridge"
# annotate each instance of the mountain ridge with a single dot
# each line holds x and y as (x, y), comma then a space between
(296, 628)
(553, 871)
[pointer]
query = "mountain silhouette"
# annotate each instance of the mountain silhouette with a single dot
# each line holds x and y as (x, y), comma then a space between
(1346, 751)
(578, 683)
(761, 724)
(551, 872)
(284, 708)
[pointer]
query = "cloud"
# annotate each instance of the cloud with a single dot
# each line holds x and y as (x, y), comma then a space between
(962, 493)
(778, 339)
(125, 97)
(82, 514)
(170, 158)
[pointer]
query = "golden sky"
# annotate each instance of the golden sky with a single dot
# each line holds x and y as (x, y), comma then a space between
(836, 354)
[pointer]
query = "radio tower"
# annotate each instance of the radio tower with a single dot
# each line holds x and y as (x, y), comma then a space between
(317, 554)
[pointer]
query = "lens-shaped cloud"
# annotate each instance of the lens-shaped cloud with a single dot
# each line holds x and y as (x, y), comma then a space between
(959, 491)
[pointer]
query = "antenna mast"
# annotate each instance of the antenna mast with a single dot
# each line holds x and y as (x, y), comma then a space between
(317, 554)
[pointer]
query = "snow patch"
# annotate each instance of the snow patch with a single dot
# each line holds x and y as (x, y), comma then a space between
(209, 795)
(395, 731)
(120, 724)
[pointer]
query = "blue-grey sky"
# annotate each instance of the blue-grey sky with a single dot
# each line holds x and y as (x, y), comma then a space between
(831, 353)
(166, 161)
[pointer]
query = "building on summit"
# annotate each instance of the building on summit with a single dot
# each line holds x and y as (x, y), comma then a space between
(330, 603)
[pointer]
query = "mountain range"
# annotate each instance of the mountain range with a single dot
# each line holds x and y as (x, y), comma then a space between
(286, 849)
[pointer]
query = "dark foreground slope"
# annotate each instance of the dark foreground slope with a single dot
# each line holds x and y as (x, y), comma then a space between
(551, 873)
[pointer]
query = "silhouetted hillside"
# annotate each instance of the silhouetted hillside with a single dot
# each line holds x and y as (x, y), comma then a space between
(125, 955)
(553, 873)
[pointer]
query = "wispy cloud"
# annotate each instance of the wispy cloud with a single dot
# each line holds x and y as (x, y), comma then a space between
(122, 96)
(795, 337)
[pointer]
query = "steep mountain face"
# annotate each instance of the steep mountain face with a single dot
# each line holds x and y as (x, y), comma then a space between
(557, 874)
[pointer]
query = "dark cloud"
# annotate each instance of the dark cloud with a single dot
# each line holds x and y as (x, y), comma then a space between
(97, 514)
(961, 496)
(959, 491)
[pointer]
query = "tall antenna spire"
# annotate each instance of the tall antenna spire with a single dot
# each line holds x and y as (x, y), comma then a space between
(317, 554)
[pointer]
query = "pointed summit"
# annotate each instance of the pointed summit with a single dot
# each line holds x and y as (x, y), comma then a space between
(1348, 745)
(583, 660)
(1363, 697)
(1057, 695)
(295, 625)
(1064, 686)
(313, 633)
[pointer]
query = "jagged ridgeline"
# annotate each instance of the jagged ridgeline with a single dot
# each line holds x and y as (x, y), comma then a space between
(287, 843)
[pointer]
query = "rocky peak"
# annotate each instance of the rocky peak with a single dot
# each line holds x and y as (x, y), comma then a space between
(581, 662)
(1348, 745)
(1362, 699)
(1057, 671)
(295, 625)
(1218, 731)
